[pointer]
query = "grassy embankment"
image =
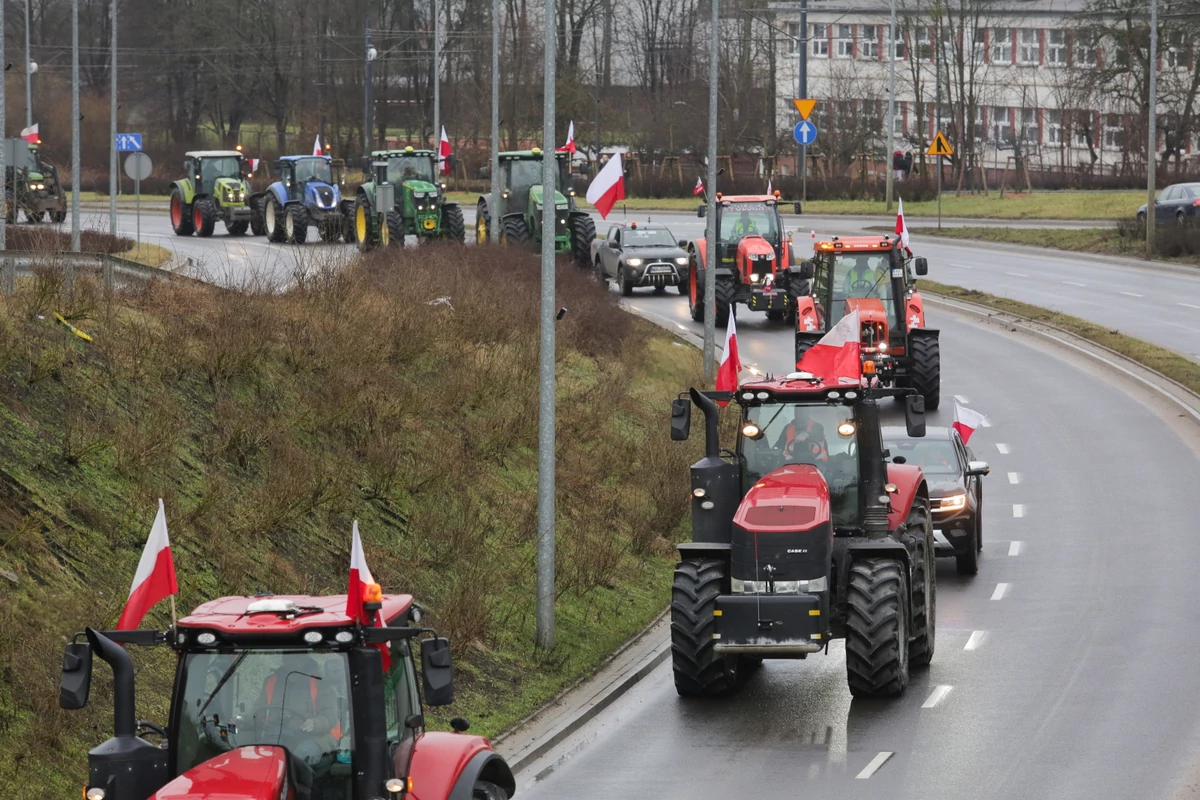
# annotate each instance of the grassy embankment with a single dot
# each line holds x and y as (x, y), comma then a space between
(41, 239)
(1103, 241)
(269, 422)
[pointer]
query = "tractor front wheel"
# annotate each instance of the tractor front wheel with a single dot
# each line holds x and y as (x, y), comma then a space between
(296, 224)
(918, 538)
(181, 215)
(364, 232)
(395, 224)
(486, 790)
(877, 628)
(238, 228)
(34, 217)
(482, 222)
(58, 216)
(453, 224)
(204, 216)
(515, 231)
(258, 225)
(273, 220)
(927, 370)
(699, 670)
(695, 294)
(583, 233)
(725, 292)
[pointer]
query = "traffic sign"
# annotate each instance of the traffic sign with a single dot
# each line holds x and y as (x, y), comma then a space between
(805, 133)
(940, 146)
(805, 107)
(138, 166)
(129, 142)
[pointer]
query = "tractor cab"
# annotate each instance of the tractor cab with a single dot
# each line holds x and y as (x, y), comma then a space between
(287, 691)
(309, 180)
(410, 165)
(521, 174)
(753, 220)
(210, 169)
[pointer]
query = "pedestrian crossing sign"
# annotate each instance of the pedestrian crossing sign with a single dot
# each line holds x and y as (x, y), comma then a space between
(940, 147)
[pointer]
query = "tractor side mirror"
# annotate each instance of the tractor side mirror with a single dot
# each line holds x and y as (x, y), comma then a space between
(921, 265)
(76, 676)
(977, 469)
(681, 419)
(807, 270)
(702, 211)
(437, 672)
(796, 207)
(914, 415)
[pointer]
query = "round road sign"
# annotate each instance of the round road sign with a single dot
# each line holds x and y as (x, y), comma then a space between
(805, 133)
(138, 166)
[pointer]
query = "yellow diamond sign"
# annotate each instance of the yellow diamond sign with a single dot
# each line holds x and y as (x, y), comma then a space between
(805, 107)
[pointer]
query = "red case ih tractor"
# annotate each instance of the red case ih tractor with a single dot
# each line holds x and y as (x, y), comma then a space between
(754, 263)
(872, 274)
(286, 698)
(803, 535)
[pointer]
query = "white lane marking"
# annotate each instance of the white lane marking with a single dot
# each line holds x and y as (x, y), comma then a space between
(1132, 294)
(975, 640)
(1001, 590)
(984, 423)
(876, 762)
(1014, 548)
(939, 694)
(1017, 274)
(962, 399)
(961, 266)
(1018, 510)
(1189, 305)
(1003, 448)
(1074, 283)
(1014, 477)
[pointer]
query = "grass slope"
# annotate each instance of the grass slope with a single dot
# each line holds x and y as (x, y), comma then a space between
(268, 422)
(1104, 241)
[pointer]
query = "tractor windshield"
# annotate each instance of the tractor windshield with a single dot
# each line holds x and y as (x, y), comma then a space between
(796, 433)
(410, 168)
(742, 219)
(219, 167)
(313, 169)
(524, 173)
(856, 276)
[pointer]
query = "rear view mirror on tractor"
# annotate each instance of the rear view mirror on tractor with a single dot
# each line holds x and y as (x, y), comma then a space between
(437, 672)
(806, 270)
(921, 265)
(702, 211)
(681, 419)
(914, 414)
(76, 676)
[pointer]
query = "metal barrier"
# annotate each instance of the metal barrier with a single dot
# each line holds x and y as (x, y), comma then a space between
(112, 268)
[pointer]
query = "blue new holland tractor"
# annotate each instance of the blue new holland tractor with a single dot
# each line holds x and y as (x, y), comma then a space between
(308, 193)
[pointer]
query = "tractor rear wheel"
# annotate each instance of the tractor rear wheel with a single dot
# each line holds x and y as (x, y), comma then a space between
(699, 670)
(273, 220)
(181, 215)
(583, 233)
(725, 292)
(258, 226)
(483, 221)
(927, 370)
(515, 231)
(802, 346)
(486, 790)
(204, 216)
(238, 228)
(297, 224)
(364, 232)
(877, 628)
(395, 224)
(918, 538)
(453, 225)
(58, 216)
(695, 294)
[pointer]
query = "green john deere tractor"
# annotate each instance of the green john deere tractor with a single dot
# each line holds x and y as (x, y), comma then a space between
(520, 211)
(421, 208)
(369, 214)
(32, 184)
(213, 188)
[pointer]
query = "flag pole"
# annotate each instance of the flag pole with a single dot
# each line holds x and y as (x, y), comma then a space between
(172, 613)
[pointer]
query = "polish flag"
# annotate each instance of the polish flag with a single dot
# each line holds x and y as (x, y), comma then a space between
(902, 227)
(608, 187)
(360, 579)
(699, 186)
(768, 186)
(837, 356)
(254, 165)
(444, 153)
(731, 365)
(966, 421)
(317, 146)
(155, 576)
(569, 147)
(30, 134)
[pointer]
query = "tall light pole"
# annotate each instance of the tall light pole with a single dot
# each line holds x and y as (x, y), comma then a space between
(369, 55)
(3, 159)
(710, 272)
(546, 399)
(1151, 171)
(437, 80)
(112, 134)
(30, 68)
(75, 165)
(494, 203)
(802, 93)
(891, 120)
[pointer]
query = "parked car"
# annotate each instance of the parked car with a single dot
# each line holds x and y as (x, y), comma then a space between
(1177, 204)
(641, 254)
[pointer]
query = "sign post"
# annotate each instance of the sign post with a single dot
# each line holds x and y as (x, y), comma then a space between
(805, 107)
(939, 148)
(138, 166)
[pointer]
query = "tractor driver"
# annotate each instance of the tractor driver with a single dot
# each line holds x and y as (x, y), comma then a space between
(301, 712)
(866, 273)
(744, 225)
(803, 441)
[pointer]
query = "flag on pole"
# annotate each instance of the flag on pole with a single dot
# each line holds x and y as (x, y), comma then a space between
(902, 227)
(730, 366)
(608, 187)
(155, 576)
(966, 420)
(444, 153)
(569, 147)
(360, 583)
(837, 356)
(30, 134)
(699, 186)
(768, 186)
(317, 146)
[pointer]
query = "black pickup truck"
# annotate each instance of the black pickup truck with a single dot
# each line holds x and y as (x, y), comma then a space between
(641, 254)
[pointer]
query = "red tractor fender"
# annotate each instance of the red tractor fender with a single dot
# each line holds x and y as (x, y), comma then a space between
(809, 318)
(914, 311)
(445, 766)
(910, 484)
(700, 246)
(254, 772)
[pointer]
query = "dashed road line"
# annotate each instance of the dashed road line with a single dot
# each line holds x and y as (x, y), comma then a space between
(1003, 448)
(939, 694)
(1017, 274)
(1014, 477)
(975, 640)
(1132, 294)
(1018, 510)
(961, 266)
(1074, 283)
(1014, 548)
(1189, 305)
(1001, 590)
(876, 762)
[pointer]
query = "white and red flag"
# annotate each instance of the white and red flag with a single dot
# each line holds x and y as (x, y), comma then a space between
(836, 358)
(966, 420)
(317, 146)
(569, 147)
(254, 165)
(730, 366)
(155, 576)
(902, 227)
(768, 186)
(608, 187)
(360, 579)
(699, 186)
(30, 134)
(444, 152)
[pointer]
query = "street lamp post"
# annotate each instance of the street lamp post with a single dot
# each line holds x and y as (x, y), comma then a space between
(370, 54)
(494, 172)
(437, 81)
(711, 256)
(802, 93)
(112, 133)
(891, 120)
(75, 164)
(1151, 172)
(30, 68)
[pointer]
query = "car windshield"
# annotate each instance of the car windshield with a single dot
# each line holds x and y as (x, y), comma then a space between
(313, 169)
(742, 219)
(806, 434)
(649, 237)
(856, 276)
(219, 167)
(408, 168)
(933, 456)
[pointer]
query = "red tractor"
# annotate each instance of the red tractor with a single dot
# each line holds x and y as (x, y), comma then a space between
(754, 263)
(286, 698)
(803, 534)
(874, 275)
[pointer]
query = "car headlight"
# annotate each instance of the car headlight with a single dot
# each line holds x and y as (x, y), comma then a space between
(633, 262)
(682, 261)
(954, 502)
(781, 587)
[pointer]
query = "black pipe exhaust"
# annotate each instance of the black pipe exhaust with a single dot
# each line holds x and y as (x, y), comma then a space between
(124, 718)
(712, 436)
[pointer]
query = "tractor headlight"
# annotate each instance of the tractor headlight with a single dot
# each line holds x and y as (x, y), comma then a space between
(633, 262)
(682, 261)
(883, 347)
(954, 502)
(95, 793)
(781, 587)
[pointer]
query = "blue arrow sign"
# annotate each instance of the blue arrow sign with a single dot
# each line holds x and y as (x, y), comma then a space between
(129, 142)
(805, 132)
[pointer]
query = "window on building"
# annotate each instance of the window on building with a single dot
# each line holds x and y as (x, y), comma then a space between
(923, 43)
(792, 31)
(1056, 47)
(898, 120)
(1002, 51)
(1081, 123)
(845, 41)
(868, 42)
(1113, 132)
(978, 42)
(1029, 125)
(1002, 130)
(1176, 55)
(1054, 128)
(897, 51)
(979, 130)
(1085, 49)
(1029, 51)
(820, 41)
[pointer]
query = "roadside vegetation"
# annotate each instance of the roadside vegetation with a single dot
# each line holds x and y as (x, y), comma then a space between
(402, 392)
(1119, 239)
(44, 239)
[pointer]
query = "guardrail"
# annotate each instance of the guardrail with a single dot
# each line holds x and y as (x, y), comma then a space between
(14, 263)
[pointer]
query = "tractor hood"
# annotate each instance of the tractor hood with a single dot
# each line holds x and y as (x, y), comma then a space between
(322, 195)
(230, 184)
(870, 309)
(244, 773)
(792, 498)
(535, 193)
(420, 186)
(782, 530)
(36, 176)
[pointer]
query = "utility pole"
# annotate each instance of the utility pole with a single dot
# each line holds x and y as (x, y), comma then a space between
(437, 81)
(891, 120)
(1151, 171)
(29, 68)
(75, 166)
(802, 93)
(8, 287)
(494, 203)
(710, 271)
(546, 389)
(112, 135)
(369, 53)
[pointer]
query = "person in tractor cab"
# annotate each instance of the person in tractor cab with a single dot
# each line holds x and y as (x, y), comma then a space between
(803, 441)
(295, 703)
(865, 274)
(744, 225)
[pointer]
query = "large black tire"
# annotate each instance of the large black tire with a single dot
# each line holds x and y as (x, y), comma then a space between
(726, 289)
(181, 215)
(258, 227)
(34, 217)
(515, 231)
(483, 221)
(623, 282)
(238, 228)
(296, 224)
(364, 232)
(777, 315)
(877, 628)
(583, 233)
(58, 216)
(699, 671)
(486, 790)
(273, 220)
(695, 293)
(927, 370)
(967, 562)
(395, 224)
(803, 345)
(917, 536)
(204, 216)
(454, 227)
